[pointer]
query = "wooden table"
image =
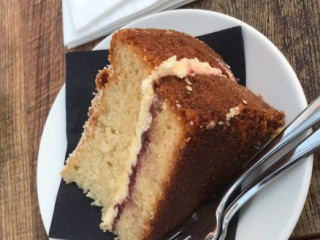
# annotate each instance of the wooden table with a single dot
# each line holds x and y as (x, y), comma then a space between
(32, 71)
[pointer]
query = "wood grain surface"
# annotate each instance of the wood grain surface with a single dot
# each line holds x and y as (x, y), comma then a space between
(32, 71)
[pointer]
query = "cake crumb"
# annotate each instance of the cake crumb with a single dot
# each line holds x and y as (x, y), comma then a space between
(178, 105)
(188, 139)
(256, 147)
(276, 133)
(189, 88)
(187, 81)
(164, 106)
(211, 125)
(244, 101)
(220, 123)
(191, 123)
(232, 113)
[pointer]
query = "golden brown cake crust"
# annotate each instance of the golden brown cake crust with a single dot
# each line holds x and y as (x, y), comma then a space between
(102, 78)
(214, 154)
(203, 100)
(157, 45)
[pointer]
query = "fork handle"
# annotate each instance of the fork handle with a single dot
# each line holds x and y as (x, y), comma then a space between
(306, 119)
(309, 117)
(291, 159)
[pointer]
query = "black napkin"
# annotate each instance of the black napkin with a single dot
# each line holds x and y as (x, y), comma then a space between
(74, 218)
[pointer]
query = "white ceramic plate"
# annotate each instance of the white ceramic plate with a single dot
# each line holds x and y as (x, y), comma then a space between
(274, 212)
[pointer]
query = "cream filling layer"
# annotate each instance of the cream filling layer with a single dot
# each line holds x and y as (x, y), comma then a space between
(170, 67)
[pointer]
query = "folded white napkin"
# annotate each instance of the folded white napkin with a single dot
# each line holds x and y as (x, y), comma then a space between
(87, 20)
(85, 12)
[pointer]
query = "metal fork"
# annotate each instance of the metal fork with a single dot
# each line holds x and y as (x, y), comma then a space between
(293, 157)
(211, 225)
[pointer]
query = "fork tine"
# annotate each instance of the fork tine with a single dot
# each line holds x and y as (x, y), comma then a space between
(173, 235)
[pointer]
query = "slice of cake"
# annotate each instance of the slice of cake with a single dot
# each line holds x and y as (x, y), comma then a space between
(168, 127)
